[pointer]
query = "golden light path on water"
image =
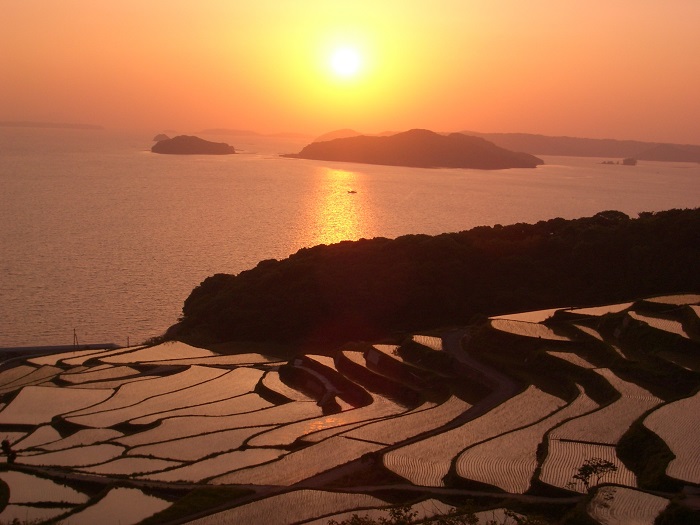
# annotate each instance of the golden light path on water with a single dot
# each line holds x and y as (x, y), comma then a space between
(337, 214)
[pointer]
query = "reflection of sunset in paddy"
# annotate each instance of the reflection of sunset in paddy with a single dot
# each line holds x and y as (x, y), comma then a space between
(337, 212)
(322, 424)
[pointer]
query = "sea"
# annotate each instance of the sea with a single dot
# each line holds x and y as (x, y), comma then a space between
(102, 241)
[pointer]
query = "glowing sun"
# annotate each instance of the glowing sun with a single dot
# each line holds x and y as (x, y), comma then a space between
(345, 62)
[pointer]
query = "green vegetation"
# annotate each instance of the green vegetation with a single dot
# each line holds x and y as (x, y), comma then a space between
(371, 289)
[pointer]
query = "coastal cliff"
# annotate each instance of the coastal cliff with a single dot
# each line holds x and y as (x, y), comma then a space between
(419, 148)
(190, 145)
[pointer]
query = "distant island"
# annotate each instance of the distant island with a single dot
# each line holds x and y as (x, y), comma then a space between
(630, 161)
(584, 147)
(419, 148)
(567, 146)
(52, 125)
(190, 145)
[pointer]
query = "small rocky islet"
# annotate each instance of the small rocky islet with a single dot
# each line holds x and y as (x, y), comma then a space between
(191, 145)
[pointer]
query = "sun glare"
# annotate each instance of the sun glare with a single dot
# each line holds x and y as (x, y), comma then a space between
(346, 62)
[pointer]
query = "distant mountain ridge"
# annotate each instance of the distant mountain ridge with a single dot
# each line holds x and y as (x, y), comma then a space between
(419, 148)
(243, 132)
(53, 125)
(583, 147)
(570, 146)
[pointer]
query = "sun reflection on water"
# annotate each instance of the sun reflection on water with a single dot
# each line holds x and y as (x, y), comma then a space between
(337, 210)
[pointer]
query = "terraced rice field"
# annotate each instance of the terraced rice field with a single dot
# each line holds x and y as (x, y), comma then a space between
(525, 329)
(176, 414)
(187, 426)
(273, 382)
(390, 350)
(82, 438)
(509, 461)
(537, 316)
(393, 430)
(240, 404)
(30, 494)
(302, 464)
(572, 358)
(36, 376)
(220, 386)
(198, 446)
(219, 360)
(288, 434)
(163, 352)
(123, 505)
(666, 325)
(429, 341)
(80, 356)
(35, 405)
(291, 507)
(680, 299)
(677, 423)
(623, 506)
(217, 465)
(98, 373)
(607, 425)
(597, 311)
(565, 457)
(427, 461)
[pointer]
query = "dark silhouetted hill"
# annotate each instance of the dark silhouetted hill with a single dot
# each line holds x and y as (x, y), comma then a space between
(671, 153)
(419, 148)
(371, 288)
(190, 145)
(583, 147)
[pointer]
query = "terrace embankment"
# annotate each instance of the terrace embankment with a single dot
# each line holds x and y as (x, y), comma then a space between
(516, 407)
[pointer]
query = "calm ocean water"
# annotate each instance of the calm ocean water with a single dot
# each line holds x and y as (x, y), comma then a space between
(99, 235)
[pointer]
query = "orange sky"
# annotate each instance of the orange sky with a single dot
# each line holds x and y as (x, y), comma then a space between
(594, 68)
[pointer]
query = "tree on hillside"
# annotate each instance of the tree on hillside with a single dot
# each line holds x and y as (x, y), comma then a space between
(593, 469)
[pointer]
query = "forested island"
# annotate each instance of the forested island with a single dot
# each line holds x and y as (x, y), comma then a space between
(372, 288)
(191, 145)
(419, 148)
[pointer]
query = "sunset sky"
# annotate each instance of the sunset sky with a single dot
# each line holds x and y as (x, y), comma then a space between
(625, 69)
